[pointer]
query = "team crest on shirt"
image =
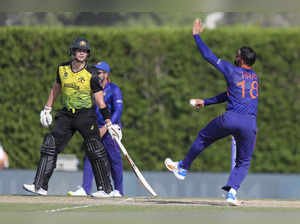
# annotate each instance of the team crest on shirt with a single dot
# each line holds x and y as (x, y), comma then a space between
(65, 75)
(81, 79)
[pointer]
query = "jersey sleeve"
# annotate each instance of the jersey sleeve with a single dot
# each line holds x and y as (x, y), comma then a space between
(223, 66)
(95, 84)
(221, 98)
(117, 105)
(57, 76)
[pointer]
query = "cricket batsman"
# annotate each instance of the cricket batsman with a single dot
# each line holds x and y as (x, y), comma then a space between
(78, 85)
(113, 99)
(239, 120)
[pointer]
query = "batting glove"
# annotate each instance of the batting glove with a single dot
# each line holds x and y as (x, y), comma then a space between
(46, 117)
(115, 131)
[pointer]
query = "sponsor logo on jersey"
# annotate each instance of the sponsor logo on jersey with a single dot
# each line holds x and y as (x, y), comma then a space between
(81, 79)
(65, 75)
(71, 85)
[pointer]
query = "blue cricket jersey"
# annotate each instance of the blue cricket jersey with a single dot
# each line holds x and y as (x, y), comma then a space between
(114, 102)
(221, 98)
(242, 83)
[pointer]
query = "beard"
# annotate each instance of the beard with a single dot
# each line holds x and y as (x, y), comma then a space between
(237, 61)
(101, 80)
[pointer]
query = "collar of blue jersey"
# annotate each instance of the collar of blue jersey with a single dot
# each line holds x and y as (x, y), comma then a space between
(246, 67)
(107, 85)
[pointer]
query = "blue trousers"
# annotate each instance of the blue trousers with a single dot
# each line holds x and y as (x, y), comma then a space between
(243, 128)
(233, 152)
(115, 160)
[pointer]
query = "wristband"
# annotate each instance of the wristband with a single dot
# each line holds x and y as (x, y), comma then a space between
(48, 108)
(105, 113)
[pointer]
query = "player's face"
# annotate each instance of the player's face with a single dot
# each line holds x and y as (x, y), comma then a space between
(81, 55)
(102, 75)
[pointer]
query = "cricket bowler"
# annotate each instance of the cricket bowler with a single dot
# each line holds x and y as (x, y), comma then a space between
(239, 120)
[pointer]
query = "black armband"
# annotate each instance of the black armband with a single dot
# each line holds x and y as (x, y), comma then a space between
(105, 113)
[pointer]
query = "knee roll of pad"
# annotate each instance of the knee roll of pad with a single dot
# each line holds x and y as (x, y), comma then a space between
(95, 149)
(48, 146)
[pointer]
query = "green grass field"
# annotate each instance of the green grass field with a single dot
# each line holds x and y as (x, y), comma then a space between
(83, 210)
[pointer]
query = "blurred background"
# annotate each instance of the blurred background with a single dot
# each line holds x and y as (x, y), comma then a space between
(155, 62)
(145, 19)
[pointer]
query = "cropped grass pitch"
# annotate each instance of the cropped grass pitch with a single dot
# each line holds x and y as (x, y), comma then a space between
(53, 209)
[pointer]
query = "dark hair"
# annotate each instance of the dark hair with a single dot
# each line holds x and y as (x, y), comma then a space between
(248, 55)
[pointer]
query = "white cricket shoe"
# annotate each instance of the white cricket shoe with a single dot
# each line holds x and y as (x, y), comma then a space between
(174, 167)
(115, 194)
(31, 188)
(231, 198)
(79, 192)
(100, 194)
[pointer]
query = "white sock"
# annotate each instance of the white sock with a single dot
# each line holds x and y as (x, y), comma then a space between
(232, 191)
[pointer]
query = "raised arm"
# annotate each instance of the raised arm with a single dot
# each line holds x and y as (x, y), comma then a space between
(223, 66)
(205, 51)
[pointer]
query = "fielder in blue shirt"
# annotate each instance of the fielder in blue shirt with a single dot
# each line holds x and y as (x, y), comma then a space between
(239, 120)
(114, 102)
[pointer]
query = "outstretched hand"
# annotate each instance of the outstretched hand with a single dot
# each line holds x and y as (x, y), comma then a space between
(197, 103)
(197, 26)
